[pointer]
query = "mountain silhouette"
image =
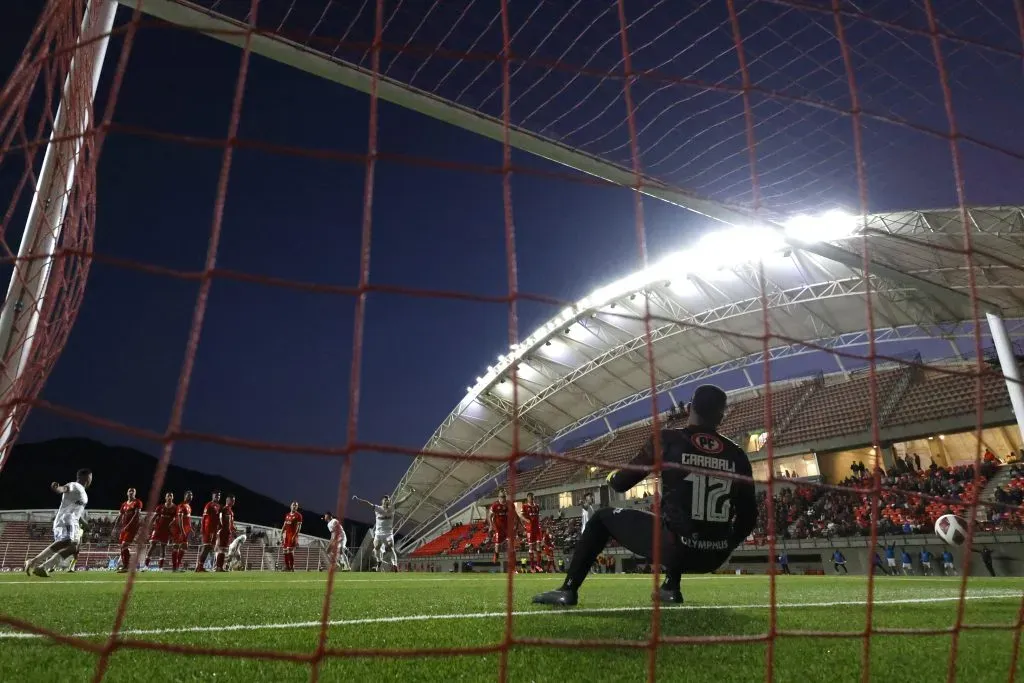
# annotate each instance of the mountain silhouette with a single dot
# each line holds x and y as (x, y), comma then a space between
(25, 482)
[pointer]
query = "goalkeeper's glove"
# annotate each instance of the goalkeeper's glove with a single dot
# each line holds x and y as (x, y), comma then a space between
(608, 479)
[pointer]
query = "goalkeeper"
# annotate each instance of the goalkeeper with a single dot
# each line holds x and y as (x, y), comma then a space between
(703, 516)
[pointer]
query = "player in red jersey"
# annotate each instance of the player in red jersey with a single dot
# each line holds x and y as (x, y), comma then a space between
(163, 517)
(128, 522)
(210, 527)
(226, 531)
(180, 530)
(498, 518)
(530, 516)
(290, 535)
(548, 543)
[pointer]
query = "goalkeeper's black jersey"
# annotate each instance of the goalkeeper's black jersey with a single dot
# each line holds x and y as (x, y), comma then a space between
(706, 511)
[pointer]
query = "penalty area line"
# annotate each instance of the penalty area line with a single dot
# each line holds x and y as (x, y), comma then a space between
(369, 621)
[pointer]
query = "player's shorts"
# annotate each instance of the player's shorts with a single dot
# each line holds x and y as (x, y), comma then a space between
(289, 541)
(160, 536)
(947, 565)
(384, 539)
(67, 530)
(534, 534)
(500, 536)
(127, 536)
(179, 536)
(209, 536)
(224, 539)
(891, 561)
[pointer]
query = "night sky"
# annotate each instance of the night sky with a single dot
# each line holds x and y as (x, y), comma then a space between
(273, 364)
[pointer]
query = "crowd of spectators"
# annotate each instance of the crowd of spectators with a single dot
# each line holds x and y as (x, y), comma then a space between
(814, 512)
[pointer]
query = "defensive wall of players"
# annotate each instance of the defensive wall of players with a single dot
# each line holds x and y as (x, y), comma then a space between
(23, 533)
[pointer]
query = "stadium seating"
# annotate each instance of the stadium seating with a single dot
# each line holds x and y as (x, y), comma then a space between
(747, 415)
(454, 541)
(837, 409)
(939, 395)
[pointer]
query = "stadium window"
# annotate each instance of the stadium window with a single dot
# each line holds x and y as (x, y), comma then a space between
(565, 499)
(644, 488)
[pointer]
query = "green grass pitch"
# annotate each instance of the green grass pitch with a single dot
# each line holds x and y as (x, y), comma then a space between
(280, 612)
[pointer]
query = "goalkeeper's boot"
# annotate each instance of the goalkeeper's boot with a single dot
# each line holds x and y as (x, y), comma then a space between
(563, 597)
(669, 596)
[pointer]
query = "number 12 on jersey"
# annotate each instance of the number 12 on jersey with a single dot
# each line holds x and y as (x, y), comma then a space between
(709, 498)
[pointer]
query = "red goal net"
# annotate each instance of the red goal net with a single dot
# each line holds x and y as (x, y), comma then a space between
(816, 204)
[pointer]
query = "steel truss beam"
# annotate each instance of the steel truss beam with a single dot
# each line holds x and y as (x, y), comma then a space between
(686, 322)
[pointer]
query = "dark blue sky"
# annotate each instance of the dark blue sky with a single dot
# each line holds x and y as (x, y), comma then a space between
(273, 364)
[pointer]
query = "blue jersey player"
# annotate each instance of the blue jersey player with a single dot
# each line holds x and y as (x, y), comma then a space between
(908, 564)
(890, 558)
(926, 562)
(948, 567)
(839, 562)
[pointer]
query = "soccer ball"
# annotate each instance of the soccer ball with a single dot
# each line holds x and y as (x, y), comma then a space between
(951, 529)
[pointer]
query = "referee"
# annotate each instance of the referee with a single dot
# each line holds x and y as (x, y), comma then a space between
(703, 516)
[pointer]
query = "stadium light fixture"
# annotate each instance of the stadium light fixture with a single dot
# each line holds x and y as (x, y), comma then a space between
(714, 255)
(825, 227)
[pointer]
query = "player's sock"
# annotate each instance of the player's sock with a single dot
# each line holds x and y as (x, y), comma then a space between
(126, 557)
(220, 561)
(160, 563)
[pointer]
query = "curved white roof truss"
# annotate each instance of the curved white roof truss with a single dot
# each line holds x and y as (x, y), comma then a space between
(707, 317)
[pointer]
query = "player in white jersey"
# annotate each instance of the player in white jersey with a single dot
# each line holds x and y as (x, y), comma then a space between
(384, 530)
(67, 529)
(588, 510)
(233, 560)
(338, 537)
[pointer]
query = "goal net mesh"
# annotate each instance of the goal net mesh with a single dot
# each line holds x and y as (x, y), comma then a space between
(763, 109)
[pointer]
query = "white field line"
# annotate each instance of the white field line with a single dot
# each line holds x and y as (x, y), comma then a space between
(15, 635)
(342, 580)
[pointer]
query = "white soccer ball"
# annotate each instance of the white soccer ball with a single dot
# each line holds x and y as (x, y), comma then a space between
(951, 529)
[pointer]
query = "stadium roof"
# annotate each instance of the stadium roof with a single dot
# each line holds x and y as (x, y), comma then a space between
(706, 317)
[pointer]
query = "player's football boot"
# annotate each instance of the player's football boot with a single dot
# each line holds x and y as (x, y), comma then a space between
(669, 596)
(39, 571)
(561, 597)
(28, 567)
